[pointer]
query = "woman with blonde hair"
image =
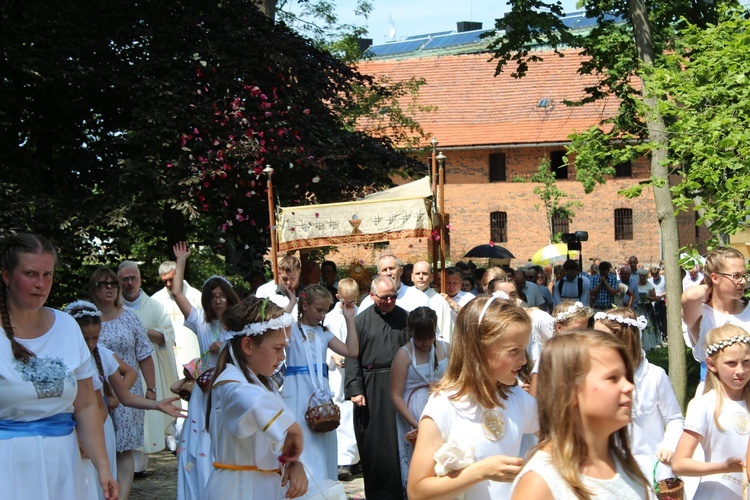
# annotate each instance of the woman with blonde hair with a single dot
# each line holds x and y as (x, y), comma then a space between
(716, 302)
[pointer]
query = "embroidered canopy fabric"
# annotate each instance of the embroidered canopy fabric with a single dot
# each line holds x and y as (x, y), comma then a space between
(399, 212)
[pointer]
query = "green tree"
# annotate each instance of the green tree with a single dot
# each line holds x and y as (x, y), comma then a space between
(126, 127)
(708, 116)
(551, 197)
(628, 38)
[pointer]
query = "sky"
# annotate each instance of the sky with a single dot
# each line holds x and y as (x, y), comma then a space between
(416, 17)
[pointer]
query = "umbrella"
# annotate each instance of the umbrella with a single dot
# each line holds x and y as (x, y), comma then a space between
(490, 251)
(552, 254)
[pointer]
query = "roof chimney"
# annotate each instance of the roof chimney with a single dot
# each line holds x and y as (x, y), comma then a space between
(463, 26)
(363, 44)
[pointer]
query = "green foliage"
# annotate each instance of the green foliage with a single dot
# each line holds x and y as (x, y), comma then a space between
(551, 196)
(708, 111)
(126, 127)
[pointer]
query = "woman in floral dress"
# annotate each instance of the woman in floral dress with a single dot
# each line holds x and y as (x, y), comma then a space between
(124, 334)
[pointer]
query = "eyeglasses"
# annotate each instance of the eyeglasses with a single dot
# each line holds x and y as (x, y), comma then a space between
(220, 298)
(107, 284)
(387, 297)
(128, 279)
(737, 277)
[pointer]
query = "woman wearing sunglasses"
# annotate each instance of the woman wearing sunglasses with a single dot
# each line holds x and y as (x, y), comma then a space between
(718, 301)
(124, 334)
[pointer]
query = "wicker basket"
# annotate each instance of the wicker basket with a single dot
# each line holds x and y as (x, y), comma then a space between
(323, 418)
(186, 389)
(672, 488)
(204, 379)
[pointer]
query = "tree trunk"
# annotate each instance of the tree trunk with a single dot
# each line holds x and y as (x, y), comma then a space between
(664, 208)
(267, 7)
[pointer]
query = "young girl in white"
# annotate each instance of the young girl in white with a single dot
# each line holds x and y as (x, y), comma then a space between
(585, 397)
(114, 380)
(477, 412)
(256, 442)
(194, 448)
(657, 417)
(567, 316)
(307, 374)
(718, 420)
(415, 369)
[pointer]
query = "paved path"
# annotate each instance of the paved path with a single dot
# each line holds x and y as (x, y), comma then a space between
(160, 482)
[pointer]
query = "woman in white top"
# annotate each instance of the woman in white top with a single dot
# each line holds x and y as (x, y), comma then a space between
(45, 384)
(716, 302)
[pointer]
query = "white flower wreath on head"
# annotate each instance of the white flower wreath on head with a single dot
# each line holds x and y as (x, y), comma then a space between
(86, 309)
(578, 306)
(641, 323)
(261, 327)
(222, 278)
(718, 346)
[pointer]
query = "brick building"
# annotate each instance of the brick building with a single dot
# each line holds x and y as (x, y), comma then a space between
(496, 129)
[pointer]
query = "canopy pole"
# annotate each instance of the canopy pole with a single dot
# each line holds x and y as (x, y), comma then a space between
(272, 224)
(433, 179)
(441, 162)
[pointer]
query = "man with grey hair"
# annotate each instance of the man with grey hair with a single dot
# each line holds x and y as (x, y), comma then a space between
(160, 333)
(186, 346)
(382, 331)
(408, 297)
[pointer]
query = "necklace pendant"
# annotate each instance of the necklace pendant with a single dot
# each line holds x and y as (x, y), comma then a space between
(494, 425)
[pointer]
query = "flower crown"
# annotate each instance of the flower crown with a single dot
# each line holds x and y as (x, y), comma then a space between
(261, 327)
(641, 323)
(718, 346)
(222, 278)
(578, 306)
(85, 307)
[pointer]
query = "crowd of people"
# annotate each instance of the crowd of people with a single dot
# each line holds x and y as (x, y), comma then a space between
(513, 383)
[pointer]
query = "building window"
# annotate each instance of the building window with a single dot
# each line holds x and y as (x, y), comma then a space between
(560, 224)
(623, 224)
(624, 169)
(497, 167)
(499, 227)
(558, 165)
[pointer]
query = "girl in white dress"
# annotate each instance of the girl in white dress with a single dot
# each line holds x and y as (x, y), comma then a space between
(194, 449)
(585, 400)
(416, 368)
(477, 415)
(657, 417)
(114, 377)
(718, 420)
(256, 442)
(45, 384)
(307, 372)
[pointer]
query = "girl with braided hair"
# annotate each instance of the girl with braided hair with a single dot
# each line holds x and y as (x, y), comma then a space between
(46, 387)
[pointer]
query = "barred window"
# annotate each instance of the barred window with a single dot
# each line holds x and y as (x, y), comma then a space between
(497, 167)
(623, 224)
(624, 169)
(560, 224)
(499, 227)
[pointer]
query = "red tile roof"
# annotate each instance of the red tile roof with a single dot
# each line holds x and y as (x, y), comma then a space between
(477, 108)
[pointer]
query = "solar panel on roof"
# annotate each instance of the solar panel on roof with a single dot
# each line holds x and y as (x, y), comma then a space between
(428, 35)
(455, 39)
(395, 47)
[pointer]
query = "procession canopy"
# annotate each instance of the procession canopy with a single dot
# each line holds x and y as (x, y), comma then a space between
(393, 214)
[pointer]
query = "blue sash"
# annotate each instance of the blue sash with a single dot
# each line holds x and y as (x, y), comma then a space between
(58, 425)
(300, 370)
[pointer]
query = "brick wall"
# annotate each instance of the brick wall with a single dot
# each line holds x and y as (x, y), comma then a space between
(470, 198)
